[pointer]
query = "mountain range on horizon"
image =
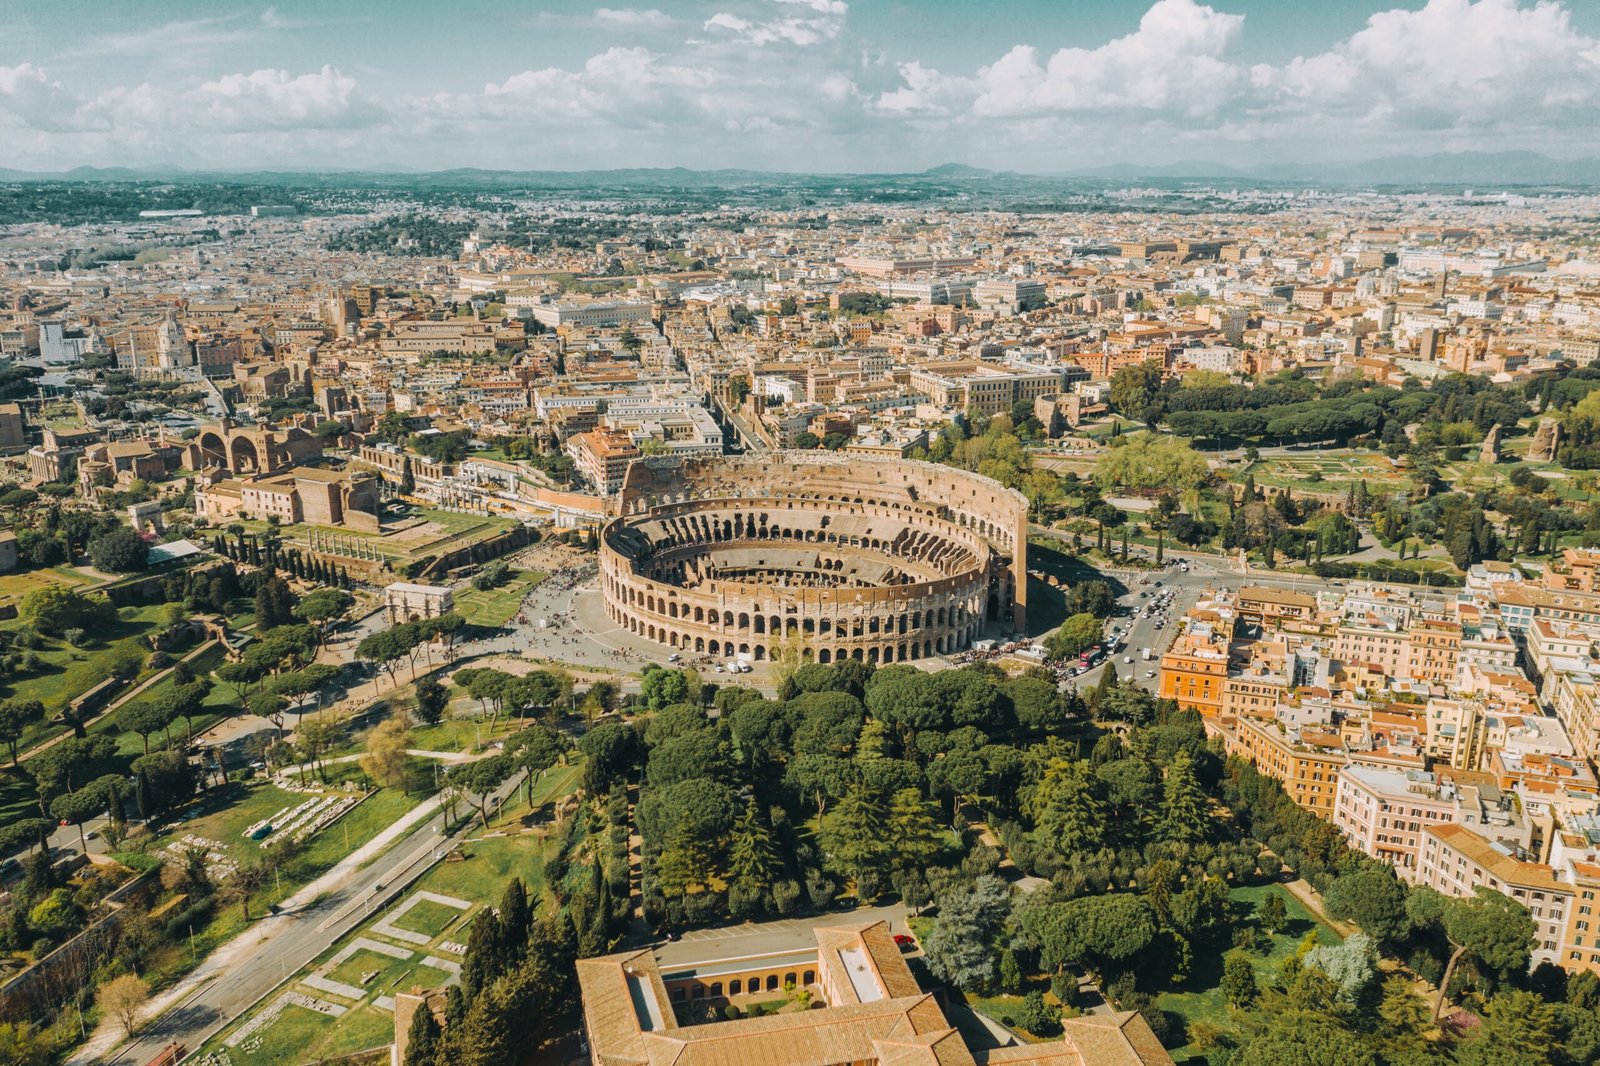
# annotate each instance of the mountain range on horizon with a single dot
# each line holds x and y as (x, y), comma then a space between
(1464, 168)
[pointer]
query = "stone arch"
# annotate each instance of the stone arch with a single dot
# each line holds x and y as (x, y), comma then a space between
(213, 449)
(245, 457)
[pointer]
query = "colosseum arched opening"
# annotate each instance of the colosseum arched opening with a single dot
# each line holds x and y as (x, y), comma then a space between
(840, 557)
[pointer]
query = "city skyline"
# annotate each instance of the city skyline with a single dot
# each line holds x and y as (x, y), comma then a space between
(793, 85)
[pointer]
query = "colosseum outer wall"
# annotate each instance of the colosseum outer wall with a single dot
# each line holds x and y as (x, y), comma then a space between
(952, 544)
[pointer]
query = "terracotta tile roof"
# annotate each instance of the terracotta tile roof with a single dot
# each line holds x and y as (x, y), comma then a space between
(623, 994)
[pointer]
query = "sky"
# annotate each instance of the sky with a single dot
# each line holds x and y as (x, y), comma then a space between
(1038, 86)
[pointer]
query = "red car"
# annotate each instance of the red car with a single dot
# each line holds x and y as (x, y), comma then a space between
(905, 941)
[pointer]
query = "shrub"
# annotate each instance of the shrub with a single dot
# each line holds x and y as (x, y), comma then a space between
(1038, 1017)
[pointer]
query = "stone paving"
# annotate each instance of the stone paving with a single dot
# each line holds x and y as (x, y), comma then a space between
(387, 927)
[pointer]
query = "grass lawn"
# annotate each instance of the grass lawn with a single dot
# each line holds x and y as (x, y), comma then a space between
(224, 814)
(65, 672)
(71, 671)
(390, 972)
(1200, 999)
(429, 918)
(1006, 1009)
(460, 734)
(490, 863)
(495, 607)
(299, 1036)
(453, 523)
(225, 819)
(556, 782)
(219, 703)
(13, 587)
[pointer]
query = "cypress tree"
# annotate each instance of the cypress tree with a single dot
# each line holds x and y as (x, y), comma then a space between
(485, 958)
(455, 1007)
(1185, 817)
(514, 919)
(422, 1048)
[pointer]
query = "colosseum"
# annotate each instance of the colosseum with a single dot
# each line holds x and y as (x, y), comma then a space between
(878, 559)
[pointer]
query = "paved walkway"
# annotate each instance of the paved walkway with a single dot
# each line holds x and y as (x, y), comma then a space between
(109, 1035)
(420, 753)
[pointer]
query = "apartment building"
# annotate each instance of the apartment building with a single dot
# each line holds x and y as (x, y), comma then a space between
(1263, 604)
(1455, 860)
(1194, 670)
(602, 457)
(591, 314)
(1432, 650)
(1255, 692)
(455, 336)
(983, 387)
(1382, 812)
(1010, 295)
(1455, 730)
(1384, 646)
(1305, 762)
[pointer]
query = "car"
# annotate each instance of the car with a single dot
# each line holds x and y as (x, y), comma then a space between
(1127, 658)
(674, 657)
(905, 941)
(719, 668)
(1149, 673)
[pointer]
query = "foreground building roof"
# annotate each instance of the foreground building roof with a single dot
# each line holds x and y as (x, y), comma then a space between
(875, 1014)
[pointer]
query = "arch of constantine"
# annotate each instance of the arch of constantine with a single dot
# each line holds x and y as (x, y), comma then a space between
(879, 559)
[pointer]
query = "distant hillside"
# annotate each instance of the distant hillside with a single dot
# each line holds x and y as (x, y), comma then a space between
(1459, 168)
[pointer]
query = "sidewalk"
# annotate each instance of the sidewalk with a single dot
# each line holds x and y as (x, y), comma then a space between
(420, 753)
(108, 1035)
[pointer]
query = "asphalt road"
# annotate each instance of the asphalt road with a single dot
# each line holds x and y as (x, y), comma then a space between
(296, 939)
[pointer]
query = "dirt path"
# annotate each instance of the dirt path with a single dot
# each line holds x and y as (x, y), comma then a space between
(1307, 895)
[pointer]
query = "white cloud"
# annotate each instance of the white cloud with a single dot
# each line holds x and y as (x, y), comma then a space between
(786, 83)
(1452, 63)
(180, 39)
(31, 98)
(825, 23)
(651, 18)
(823, 7)
(1449, 67)
(1173, 62)
(261, 101)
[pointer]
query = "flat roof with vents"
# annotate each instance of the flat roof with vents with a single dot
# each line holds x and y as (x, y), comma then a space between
(860, 969)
